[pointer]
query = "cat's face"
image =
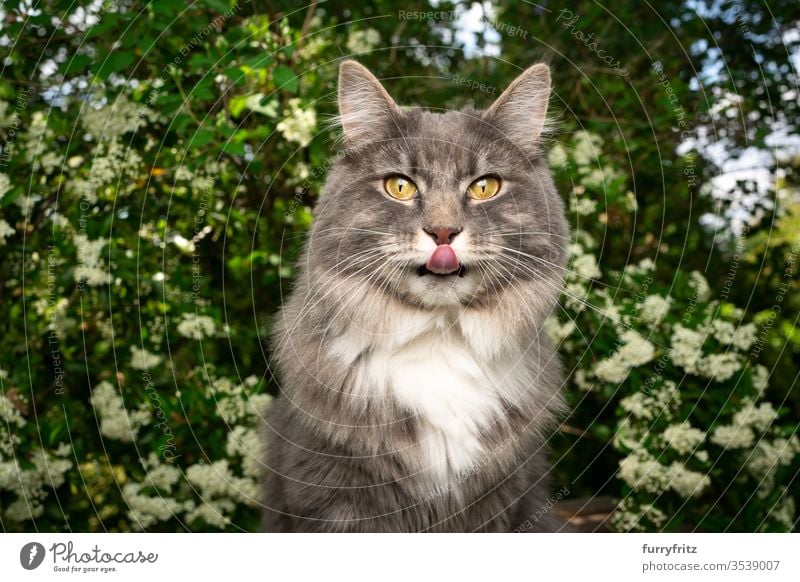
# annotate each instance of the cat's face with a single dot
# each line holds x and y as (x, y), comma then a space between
(440, 209)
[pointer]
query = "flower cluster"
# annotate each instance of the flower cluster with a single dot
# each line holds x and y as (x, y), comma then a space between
(27, 480)
(207, 493)
(116, 421)
(196, 326)
(298, 123)
(89, 268)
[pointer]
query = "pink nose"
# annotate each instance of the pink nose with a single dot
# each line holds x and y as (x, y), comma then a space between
(442, 235)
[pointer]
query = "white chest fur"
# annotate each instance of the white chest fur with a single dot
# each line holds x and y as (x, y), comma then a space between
(439, 369)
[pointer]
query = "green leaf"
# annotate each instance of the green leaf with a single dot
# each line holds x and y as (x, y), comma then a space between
(233, 148)
(180, 122)
(217, 5)
(258, 61)
(58, 429)
(108, 22)
(285, 78)
(201, 138)
(115, 63)
(237, 105)
(77, 64)
(235, 75)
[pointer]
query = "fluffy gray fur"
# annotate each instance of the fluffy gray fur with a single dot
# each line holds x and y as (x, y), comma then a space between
(346, 451)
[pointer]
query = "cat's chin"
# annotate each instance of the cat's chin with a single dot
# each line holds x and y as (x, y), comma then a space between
(432, 290)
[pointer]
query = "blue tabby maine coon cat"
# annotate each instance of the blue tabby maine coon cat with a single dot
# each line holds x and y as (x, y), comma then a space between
(418, 385)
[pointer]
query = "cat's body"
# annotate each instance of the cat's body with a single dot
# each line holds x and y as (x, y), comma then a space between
(418, 383)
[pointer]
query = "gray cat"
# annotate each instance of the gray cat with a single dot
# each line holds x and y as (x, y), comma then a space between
(418, 384)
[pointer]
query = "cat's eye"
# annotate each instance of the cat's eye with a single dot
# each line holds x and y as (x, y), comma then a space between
(400, 187)
(484, 188)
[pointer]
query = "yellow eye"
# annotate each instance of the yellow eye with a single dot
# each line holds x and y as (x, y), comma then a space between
(400, 187)
(483, 188)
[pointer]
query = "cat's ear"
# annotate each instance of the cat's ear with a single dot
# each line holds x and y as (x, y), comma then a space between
(521, 111)
(364, 105)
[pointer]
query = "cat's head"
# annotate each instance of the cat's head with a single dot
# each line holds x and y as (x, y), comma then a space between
(440, 208)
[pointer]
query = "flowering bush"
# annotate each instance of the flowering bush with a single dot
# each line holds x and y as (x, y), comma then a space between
(701, 446)
(130, 386)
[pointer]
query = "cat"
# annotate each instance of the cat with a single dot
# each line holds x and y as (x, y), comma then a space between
(418, 384)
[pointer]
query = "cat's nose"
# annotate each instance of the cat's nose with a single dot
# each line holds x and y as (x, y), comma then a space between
(442, 235)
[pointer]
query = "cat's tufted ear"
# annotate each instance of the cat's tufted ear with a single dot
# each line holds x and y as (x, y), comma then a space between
(521, 111)
(364, 105)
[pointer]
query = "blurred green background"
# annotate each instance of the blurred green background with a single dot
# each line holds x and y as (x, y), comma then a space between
(159, 161)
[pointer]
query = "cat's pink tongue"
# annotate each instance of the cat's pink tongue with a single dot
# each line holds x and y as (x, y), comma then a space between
(443, 261)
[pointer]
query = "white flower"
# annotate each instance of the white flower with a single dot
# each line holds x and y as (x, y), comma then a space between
(582, 380)
(218, 488)
(685, 482)
(760, 418)
(298, 123)
(557, 157)
(26, 203)
(640, 470)
(783, 512)
(686, 348)
(88, 254)
(44, 470)
(628, 435)
(631, 203)
(586, 267)
(362, 41)
(628, 516)
(111, 162)
(115, 421)
(723, 330)
(161, 475)
(9, 413)
(768, 456)
(700, 285)
(760, 378)
(744, 337)
(146, 510)
(733, 437)
(596, 178)
(683, 437)
(612, 370)
(575, 297)
(587, 148)
(650, 406)
(111, 120)
(247, 444)
(36, 139)
(141, 359)
(583, 206)
(196, 326)
(634, 351)
(5, 185)
(558, 331)
(720, 367)
(646, 265)
(654, 308)
(212, 512)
